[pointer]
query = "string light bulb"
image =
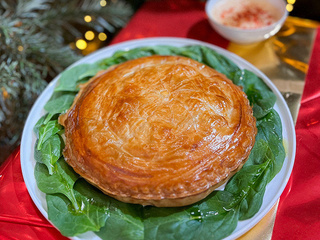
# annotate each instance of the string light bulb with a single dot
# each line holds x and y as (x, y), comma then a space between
(89, 35)
(87, 18)
(81, 44)
(103, 3)
(289, 7)
(102, 36)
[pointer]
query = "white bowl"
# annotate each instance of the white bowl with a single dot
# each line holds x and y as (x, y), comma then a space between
(246, 36)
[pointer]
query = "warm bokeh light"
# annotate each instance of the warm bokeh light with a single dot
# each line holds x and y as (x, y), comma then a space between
(89, 35)
(103, 3)
(289, 7)
(5, 93)
(81, 44)
(102, 36)
(72, 45)
(87, 18)
(20, 48)
(291, 1)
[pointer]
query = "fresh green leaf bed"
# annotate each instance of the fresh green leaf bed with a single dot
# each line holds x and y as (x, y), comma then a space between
(75, 207)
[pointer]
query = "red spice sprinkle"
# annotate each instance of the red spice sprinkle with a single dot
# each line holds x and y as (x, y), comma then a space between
(248, 17)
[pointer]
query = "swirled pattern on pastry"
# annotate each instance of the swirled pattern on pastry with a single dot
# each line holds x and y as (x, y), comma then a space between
(158, 130)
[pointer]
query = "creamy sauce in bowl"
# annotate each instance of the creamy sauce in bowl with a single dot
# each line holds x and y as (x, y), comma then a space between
(245, 14)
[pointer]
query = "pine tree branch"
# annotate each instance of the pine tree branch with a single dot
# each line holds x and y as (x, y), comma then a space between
(33, 49)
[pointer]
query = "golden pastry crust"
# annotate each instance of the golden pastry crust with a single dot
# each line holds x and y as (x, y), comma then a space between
(159, 130)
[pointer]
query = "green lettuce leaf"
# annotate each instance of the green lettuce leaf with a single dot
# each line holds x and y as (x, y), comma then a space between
(45, 131)
(61, 180)
(90, 217)
(50, 152)
(257, 92)
(68, 82)
(125, 221)
(59, 102)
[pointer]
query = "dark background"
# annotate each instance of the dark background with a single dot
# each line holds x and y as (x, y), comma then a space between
(309, 9)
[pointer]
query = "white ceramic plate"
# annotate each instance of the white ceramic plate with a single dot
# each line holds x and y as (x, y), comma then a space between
(274, 188)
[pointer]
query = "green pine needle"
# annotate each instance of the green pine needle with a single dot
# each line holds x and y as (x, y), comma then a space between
(34, 36)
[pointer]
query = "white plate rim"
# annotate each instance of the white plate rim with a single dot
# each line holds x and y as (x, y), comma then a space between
(28, 137)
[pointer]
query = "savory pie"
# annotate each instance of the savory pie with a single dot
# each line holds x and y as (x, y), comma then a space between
(158, 130)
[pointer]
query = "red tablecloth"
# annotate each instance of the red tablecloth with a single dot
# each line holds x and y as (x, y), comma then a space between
(298, 214)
